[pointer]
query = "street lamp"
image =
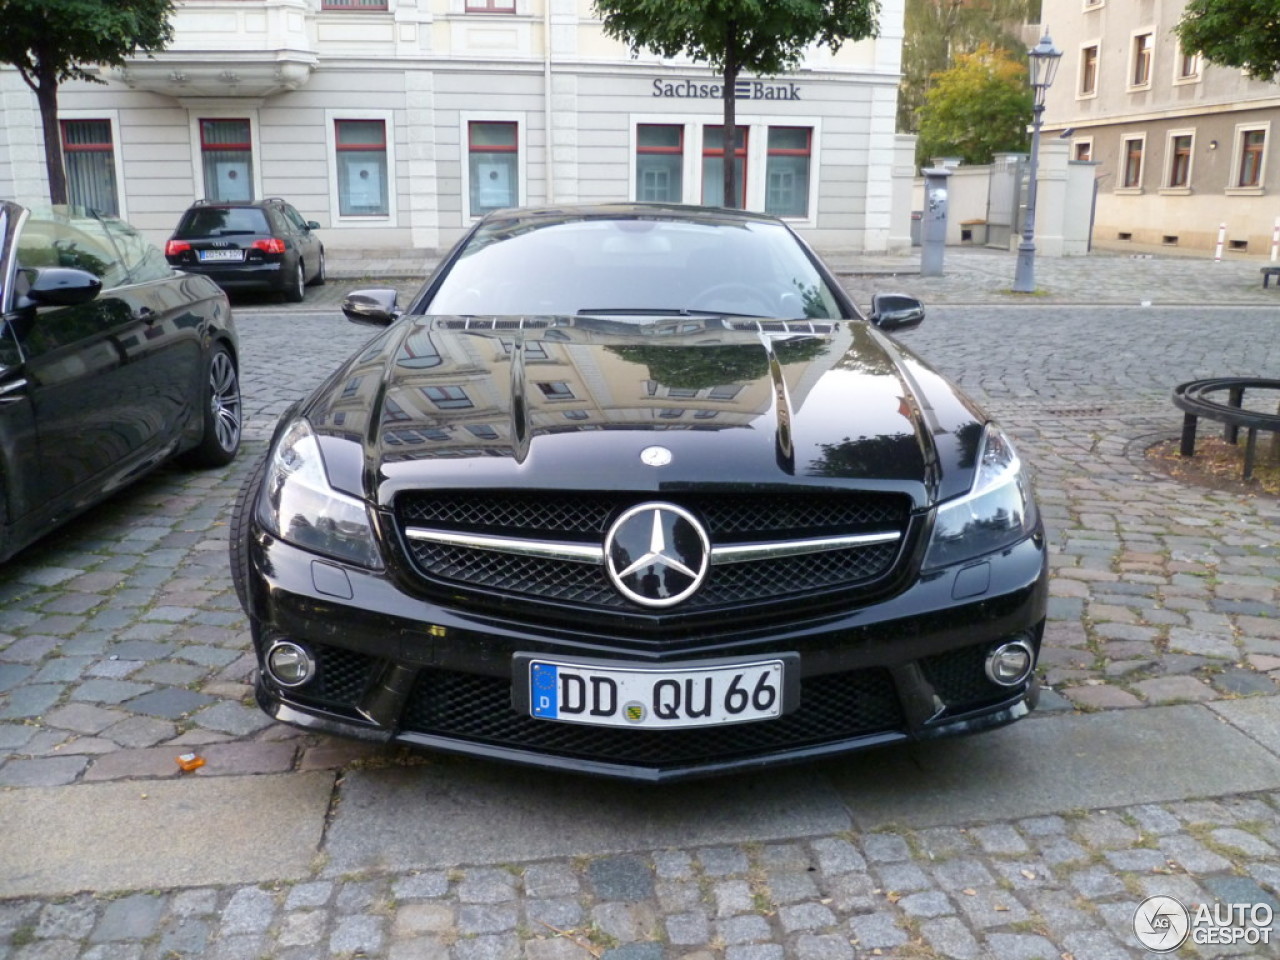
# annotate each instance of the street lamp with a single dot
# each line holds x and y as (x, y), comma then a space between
(1044, 59)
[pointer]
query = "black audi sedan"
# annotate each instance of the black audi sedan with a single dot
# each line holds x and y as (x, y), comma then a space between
(635, 490)
(262, 245)
(111, 363)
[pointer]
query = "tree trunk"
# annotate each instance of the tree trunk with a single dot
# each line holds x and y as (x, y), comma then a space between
(730, 129)
(47, 96)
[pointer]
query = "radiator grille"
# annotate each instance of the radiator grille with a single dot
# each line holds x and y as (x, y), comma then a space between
(833, 707)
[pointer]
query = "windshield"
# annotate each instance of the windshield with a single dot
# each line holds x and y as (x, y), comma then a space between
(637, 265)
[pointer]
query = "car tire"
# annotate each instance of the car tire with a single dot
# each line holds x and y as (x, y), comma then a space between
(295, 290)
(320, 277)
(222, 412)
(241, 522)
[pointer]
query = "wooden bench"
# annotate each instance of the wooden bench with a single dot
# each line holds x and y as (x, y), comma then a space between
(1268, 273)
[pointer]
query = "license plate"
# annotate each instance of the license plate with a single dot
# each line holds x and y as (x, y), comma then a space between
(221, 254)
(688, 696)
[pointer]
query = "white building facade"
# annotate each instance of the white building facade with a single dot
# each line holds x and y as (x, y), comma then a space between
(396, 123)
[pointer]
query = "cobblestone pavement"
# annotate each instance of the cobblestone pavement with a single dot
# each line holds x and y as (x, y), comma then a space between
(121, 644)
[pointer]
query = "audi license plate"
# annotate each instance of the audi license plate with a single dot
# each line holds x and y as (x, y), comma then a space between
(221, 254)
(688, 696)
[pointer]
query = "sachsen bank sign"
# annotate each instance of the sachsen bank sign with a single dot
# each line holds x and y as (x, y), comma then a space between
(742, 90)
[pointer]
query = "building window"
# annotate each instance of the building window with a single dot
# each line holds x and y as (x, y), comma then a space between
(494, 171)
(491, 6)
(713, 165)
(1089, 71)
(1252, 143)
(1082, 150)
(353, 4)
(448, 398)
(556, 390)
(1141, 75)
(226, 152)
(659, 162)
(1188, 66)
(482, 431)
(89, 157)
(1180, 160)
(1132, 163)
(787, 171)
(361, 147)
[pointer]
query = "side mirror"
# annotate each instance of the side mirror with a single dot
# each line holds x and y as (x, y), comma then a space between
(374, 308)
(896, 311)
(313, 224)
(62, 286)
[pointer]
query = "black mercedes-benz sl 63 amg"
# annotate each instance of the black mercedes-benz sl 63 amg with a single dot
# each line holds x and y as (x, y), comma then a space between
(635, 490)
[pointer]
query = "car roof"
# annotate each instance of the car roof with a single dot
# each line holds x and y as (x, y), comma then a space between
(223, 204)
(565, 213)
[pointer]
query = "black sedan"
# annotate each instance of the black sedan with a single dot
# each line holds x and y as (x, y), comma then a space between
(262, 245)
(110, 364)
(635, 490)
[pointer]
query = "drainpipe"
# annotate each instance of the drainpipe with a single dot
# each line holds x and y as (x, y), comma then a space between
(546, 100)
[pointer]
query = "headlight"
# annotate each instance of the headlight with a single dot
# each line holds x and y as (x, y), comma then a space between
(996, 512)
(298, 505)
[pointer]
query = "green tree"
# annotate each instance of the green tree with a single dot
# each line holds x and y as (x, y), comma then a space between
(763, 37)
(51, 41)
(1234, 33)
(936, 32)
(980, 106)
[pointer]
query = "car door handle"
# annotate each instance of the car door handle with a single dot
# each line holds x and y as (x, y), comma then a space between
(11, 392)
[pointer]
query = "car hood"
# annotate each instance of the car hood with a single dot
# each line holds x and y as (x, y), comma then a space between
(575, 403)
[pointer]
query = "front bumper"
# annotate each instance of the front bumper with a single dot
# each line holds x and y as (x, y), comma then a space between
(395, 668)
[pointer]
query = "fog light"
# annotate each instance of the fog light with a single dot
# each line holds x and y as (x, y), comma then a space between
(290, 664)
(1010, 663)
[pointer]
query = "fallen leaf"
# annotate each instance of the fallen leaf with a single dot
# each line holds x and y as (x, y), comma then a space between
(1029, 874)
(969, 892)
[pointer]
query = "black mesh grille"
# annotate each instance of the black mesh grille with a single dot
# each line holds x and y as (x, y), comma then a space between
(342, 677)
(585, 518)
(728, 517)
(960, 679)
(833, 707)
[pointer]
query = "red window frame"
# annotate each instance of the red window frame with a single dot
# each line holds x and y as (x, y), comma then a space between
(677, 149)
(69, 147)
(745, 133)
(473, 147)
(491, 6)
(380, 146)
(807, 151)
(206, 145)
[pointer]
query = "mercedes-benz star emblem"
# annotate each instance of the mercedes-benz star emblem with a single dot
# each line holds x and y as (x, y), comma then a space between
(657, 554)
(655, 456)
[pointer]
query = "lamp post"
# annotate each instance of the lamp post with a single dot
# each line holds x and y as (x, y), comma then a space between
(1043, 59)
